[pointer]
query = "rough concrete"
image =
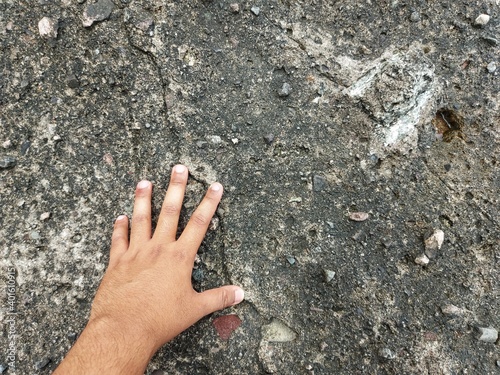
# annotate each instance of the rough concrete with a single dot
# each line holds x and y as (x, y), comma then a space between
(307, 112)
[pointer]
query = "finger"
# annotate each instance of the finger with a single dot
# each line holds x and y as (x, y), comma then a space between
(119, 239)
(141, 217)
(172, 204)
(197, 226)
(220, 298)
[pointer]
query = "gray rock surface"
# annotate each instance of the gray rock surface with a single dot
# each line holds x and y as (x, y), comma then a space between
(154, 83)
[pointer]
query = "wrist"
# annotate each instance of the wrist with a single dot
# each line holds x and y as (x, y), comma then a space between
(110, 348)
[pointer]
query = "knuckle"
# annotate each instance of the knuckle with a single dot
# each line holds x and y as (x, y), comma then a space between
(171, 210)
(180, 256)
(200, 219)
(156, 250)
(141, 218)
(118, 237)
(177, 181)
(224, 299)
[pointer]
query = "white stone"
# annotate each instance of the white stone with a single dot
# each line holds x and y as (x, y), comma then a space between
(422, 260)
(435, 241)
(45, 216)
(47, 27)
(329, 275)
(215, 139)
(277, 331)
(451, 310)
(492, 67)
(488, 334)
(482, 20)
(255, 10)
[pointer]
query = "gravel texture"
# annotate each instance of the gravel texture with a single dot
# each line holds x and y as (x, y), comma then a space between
(306, 112)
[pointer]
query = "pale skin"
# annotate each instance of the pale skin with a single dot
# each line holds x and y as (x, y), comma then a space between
(146, 297)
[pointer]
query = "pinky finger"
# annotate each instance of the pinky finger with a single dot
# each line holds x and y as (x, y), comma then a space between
(119, 239)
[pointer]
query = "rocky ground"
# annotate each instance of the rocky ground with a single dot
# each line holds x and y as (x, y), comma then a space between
(346, 133)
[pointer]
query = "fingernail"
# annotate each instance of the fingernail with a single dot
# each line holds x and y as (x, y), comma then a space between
(216, 186)
(179, 169)
(143, 184)
(121, 217)
(239, 295)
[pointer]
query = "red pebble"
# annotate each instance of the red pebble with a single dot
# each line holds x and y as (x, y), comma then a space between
(225, 325)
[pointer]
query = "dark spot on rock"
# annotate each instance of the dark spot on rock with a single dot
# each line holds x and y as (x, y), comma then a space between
(73, 82)
(447, 167)
(269, 138)
(319, 183)
(198, 275)
(7, 162)
(24, 147)
(449, 124)
(41, 364)
(226, 325)
(76, 238)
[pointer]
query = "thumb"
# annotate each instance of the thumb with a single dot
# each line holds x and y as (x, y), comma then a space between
(220, 298)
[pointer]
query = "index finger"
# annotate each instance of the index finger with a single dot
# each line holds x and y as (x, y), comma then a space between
(198, 224)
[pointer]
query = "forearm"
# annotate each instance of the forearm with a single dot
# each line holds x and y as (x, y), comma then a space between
(102, 349)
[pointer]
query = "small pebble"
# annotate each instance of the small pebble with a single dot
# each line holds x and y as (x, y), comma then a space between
(24, 147)
(492, 67)
(291, 259)
(7, 162)
(235, 7)
(433, 243)
(41, 364)
(487, 334)
(269, 138)
(198, 275)
(329, 275)
(422, 260)
(225, 325)
(358, 216)
(45, 216)
(490, 40)
(319, 183)
(277, 331)
(387, 353)
(7, 143)
(214, 224)
(99, 11)
(47, 27)
(482, 20)
(108, 158)
(415, 17)
(286, 89)
(235, 141)
(255, 10)
(35, 235)
(72, 81)
(215, 139)
(451, 310)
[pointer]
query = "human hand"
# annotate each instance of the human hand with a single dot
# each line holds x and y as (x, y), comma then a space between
(146, 297)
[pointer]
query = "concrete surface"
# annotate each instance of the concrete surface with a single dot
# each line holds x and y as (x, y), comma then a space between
(307, 112)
